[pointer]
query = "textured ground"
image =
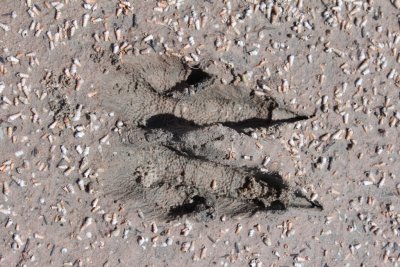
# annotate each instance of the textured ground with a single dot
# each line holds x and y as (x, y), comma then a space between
(67, 69)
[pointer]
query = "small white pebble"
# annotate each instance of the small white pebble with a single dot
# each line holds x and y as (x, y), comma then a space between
(367, 182)
(19, 153)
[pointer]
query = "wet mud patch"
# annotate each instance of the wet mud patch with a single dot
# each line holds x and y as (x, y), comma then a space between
(184, 151)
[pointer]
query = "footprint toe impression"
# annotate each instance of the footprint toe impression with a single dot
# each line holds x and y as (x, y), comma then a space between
(184, 150)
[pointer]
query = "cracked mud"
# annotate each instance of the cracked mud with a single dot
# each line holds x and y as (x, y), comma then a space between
(186, 148)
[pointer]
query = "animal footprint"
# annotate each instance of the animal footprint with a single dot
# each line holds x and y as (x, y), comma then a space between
(184, 150)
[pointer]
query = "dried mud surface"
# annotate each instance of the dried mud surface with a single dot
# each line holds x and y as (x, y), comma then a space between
(199, 133)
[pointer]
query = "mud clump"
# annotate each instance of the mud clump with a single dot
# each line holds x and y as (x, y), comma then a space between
(58, 102)
(185, 150)
(61, 108)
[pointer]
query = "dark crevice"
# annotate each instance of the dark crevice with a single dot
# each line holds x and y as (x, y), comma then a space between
(276, 205)
(271, 108)
(196, 77)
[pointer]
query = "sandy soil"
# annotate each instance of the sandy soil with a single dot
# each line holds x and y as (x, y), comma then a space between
(205, 133)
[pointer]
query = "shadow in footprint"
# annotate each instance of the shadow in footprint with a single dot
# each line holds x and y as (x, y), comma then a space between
(194, 205)
(178, 125)
(261, 123)
(196, 78)
(170, 123)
